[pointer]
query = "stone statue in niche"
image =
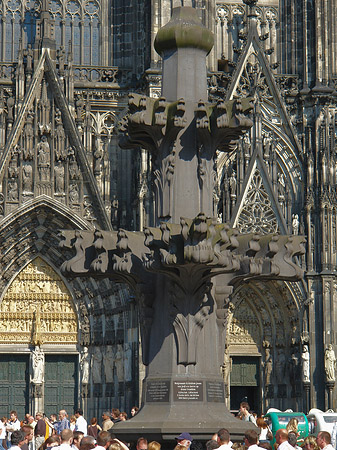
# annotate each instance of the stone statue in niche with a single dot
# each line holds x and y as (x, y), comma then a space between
(119, 363)
(28, 148)
(268, 366)
(73, 194)
(295, 224)
(43, 158)
(85, 364)
(59, 177)
(305, 364)
(127, 362)
(96, 368)
(60, 150)
(27, 178)
(12, 190)
(37, 360)
(109, 365)
(330, 364)
(280, 366)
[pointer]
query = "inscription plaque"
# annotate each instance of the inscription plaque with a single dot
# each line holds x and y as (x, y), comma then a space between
(188, 391)
(215, 391)
(157, 391)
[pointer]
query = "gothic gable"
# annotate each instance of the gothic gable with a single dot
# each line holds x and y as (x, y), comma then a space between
(44, 154)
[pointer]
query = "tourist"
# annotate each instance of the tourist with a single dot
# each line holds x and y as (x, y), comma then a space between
(292, 425)
(31, 422)
(94, 428)
(154, 445)
(281, 437)
(212, 444)
(87, 443)
(3, 423)
(52, 441)
(66, 439)
(115, 415)
(39, 430)
(141, 444)
(310, 443)
(184, 439)
(17, 439)
(64, 422)
(264, 430)
(251, 440)
(123, 416)
(103, 440)
(245, 415)
(29, 437)
(223, 439)
(292, 439)
(134, 411)
(77, 438)
(324, 441)
(107, 422)
(12, 425)
(81, 423)
(72, 423)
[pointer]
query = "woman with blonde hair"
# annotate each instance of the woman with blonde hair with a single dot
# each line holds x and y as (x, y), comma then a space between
(154, 445)
(310, 443)
(293, 426)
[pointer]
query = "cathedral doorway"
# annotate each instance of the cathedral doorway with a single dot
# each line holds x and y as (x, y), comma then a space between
(61, 383)
(38, 343)
(14, 384)
(245, 382)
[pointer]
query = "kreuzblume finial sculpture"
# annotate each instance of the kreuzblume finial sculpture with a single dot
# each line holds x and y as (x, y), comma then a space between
(184, 270)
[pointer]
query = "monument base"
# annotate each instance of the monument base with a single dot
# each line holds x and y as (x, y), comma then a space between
(174, 406)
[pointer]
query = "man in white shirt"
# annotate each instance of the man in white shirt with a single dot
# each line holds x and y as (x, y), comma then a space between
(2, 434)
(281, 437)
(18, 438)
(13, 425)
(324, 440)
(103, 440)
(223, 439)
(81, 423)
(251, 440)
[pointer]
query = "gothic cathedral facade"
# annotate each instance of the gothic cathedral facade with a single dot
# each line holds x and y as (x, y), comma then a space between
(66, 69)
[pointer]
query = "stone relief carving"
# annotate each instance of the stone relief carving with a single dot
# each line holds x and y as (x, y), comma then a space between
(268, 366)
(128, 362)
(37, 300)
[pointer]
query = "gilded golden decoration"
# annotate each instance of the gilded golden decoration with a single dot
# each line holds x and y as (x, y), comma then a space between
(37, 308)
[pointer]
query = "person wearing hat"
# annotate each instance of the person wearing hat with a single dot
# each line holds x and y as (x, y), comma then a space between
(184, 439)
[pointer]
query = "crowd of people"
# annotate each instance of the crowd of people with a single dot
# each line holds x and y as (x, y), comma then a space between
(43, 433)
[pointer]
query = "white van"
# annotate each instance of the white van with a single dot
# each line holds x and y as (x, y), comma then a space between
(321, 421)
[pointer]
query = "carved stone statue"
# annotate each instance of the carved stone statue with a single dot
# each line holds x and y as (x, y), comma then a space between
(268, 367)
(330, 364)
(280, 366)
(27, 178)
(43, 158)
(59, 177)
(295, 224)
(128, 362)
(73, 194)
(96, 367)
(305, 364)
(109, 365)
(119, 363)
(84, 364)
(37, 359)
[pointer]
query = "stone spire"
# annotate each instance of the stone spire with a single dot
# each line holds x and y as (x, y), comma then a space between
(183, 44)
(45, 37)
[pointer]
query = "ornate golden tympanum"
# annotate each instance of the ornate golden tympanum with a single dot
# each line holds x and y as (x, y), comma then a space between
(37, 308)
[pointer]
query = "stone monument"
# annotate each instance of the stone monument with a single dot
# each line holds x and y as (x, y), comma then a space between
(184, 270)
